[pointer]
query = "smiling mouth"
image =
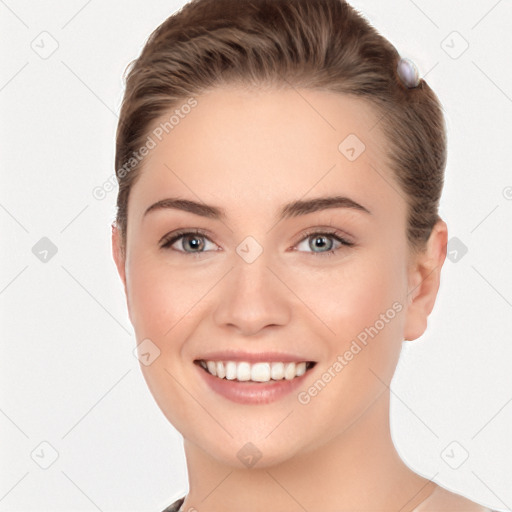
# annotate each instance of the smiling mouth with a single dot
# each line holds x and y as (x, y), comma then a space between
(260, 372)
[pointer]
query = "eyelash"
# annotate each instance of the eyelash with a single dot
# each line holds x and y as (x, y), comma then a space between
(174, 237)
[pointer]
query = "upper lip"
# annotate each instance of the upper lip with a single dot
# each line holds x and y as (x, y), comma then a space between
(252, 357)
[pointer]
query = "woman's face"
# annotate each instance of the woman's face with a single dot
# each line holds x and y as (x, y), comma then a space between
(258, 284)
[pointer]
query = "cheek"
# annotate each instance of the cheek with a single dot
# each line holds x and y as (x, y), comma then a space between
(349, 297)
(158, 297)
(362, 304)
(150, 300)
(381, 302)
(164, 305)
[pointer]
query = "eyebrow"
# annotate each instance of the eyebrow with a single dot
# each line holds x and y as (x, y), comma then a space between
(293, 209)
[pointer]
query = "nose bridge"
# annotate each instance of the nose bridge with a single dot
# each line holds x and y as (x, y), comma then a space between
(252, 296)
(252, 261)
(252, 268)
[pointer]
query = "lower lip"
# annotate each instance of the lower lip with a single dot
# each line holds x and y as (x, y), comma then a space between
(249, 392)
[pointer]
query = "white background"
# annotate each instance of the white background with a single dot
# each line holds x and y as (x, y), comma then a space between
(68, 374)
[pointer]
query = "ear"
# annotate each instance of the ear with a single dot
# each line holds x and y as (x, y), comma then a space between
(117, 253)
(423, 282)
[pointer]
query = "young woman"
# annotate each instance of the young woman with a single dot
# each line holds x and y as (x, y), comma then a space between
(278, 237)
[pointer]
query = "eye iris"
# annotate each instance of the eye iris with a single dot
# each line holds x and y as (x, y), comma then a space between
(322, 241)
(197, 242)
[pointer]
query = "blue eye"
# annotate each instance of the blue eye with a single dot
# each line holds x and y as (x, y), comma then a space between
(195, 240)
(318, 239)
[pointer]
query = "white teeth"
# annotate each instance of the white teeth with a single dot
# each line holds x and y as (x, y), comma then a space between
(230, 370)
(257, 372)
(212, 367)
(300, 370)
(243, 371)
(289, 371)
(260, 372)
(221, 372)
(277, 371)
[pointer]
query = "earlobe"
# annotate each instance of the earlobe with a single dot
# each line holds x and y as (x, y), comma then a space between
(117, 253)
(424, 281)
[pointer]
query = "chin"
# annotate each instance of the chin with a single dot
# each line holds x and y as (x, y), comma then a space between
(253, 455)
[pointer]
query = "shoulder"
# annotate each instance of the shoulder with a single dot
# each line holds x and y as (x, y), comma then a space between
(443, 500)
(174, 507)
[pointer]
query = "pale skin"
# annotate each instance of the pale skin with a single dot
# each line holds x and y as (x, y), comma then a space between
(250, 153)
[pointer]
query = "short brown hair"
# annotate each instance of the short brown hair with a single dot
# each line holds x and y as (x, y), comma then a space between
(314, 44)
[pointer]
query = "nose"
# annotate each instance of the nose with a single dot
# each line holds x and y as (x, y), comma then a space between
(253, 296)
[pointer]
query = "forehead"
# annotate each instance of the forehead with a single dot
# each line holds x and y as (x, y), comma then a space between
(243, 147)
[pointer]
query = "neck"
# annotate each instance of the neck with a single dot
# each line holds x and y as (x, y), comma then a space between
(358, 470)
